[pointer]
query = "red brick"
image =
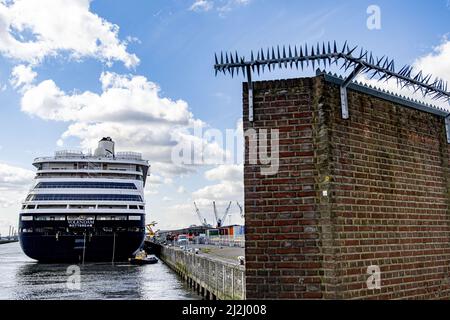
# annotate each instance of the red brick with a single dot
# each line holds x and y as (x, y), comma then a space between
(387, 203)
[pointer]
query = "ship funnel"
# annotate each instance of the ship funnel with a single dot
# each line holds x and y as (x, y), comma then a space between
(105, 148)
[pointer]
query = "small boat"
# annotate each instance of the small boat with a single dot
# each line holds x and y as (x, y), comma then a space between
(141, 258)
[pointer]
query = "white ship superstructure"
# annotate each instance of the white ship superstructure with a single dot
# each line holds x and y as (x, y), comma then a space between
(93, 200)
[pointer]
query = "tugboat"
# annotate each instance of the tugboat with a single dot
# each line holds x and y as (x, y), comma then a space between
(141, 258)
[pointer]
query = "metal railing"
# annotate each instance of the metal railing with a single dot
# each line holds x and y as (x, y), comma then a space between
(69, 154)
(228, 241)
(73, 154)
(129, 155)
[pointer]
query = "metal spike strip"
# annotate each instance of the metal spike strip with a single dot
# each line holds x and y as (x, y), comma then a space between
(368, 85)
(379, 68)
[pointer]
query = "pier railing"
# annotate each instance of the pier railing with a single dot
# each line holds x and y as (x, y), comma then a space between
(210, 277)
(228, 241)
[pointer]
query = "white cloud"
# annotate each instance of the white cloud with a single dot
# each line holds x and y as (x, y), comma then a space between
(437, 62)
(155, 179)
(221, 6)
(230, 187)
(226, 190)
(175, 216)
(32, 30)
(202, 5)
(14, 185)
(124, 98)
(225, 173)
(130, 110)
(229, 5)
(149, 192)
(11, 176)
(22, 75)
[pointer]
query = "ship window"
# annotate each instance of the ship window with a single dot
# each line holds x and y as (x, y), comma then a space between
(87, 197)
(86, 185)
(80, 206)
(133, 207)
(84, 218)
(141, 207)
(111, 218)
(52, 206)
(50, 218)
(110, 206)
(31, 206)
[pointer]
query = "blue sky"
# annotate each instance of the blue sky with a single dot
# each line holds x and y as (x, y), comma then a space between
(174, 41)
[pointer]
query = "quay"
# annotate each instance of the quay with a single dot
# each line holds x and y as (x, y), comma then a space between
(214, 272)
(4, 241)
(11, 237)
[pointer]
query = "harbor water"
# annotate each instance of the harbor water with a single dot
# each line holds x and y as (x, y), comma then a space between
(23, 278)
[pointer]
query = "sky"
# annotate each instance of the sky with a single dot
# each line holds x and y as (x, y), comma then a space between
(73, 71)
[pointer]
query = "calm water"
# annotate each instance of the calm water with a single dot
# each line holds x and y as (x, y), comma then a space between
(22, 278)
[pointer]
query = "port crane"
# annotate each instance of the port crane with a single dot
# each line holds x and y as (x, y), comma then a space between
(148, 227)
(202, 219)
(220, 221)
(241, 211)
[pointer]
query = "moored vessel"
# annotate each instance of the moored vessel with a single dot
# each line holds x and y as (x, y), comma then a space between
(85, 207)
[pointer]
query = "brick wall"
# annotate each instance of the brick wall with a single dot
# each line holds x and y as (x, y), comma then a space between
(385, 171)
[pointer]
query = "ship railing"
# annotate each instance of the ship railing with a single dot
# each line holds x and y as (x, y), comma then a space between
(91, 168)
(70, 154)
(95, 175)
(64, 154)
(129, 155)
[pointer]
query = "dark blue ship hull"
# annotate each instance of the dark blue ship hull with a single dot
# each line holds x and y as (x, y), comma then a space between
(104, 241)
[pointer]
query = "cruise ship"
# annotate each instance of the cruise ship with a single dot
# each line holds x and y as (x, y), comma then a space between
(85, 207)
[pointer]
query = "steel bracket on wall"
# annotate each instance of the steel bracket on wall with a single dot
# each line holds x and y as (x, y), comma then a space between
(447, 127)
(250, 93)
(343, 89)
